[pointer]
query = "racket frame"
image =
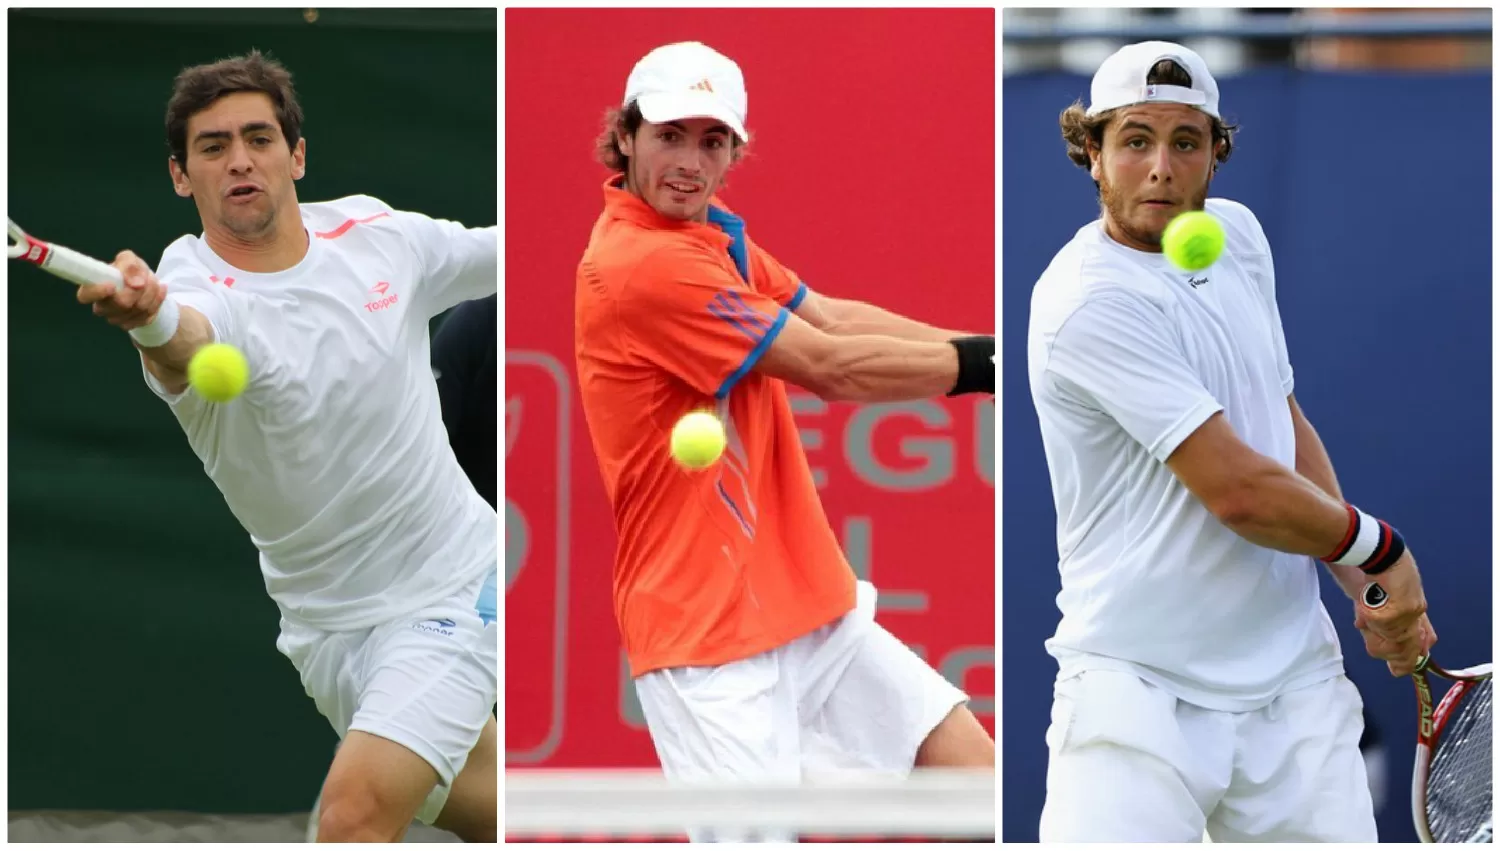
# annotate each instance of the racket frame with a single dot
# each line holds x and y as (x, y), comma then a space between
(1430, 723)
(73, 266)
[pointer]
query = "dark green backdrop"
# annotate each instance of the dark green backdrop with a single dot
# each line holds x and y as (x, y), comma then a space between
(143, 668)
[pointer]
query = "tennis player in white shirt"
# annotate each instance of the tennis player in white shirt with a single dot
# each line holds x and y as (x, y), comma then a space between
(378, 551)
(1201, 685)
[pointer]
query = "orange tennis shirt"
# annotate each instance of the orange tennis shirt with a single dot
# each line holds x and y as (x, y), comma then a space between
(722, 564)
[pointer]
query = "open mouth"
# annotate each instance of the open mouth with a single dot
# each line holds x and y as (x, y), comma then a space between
(682, 188)
(243, 192)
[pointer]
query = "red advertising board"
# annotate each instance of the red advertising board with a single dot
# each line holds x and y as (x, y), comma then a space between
(872, 175)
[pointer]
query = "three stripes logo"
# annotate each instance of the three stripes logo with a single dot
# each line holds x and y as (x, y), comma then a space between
(731, 307)
(702, 85)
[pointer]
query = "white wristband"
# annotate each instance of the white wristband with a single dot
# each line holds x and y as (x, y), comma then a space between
(161, 328)
(1366, 539)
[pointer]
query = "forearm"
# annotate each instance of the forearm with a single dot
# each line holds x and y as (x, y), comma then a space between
(1314, 464)
(169, 362)
(870, 368)
(1283, 510)
(857, 319)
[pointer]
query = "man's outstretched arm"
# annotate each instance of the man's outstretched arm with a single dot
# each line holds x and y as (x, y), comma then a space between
(845, 318)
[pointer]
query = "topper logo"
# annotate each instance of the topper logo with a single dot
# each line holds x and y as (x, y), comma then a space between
(382, 301)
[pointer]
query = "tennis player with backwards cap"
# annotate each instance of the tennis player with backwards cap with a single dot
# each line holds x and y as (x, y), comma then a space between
(380, 554)
(1201, 685)
(754, 650)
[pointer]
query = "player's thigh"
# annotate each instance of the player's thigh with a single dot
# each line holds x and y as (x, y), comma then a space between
(1120, 767)
(473, 800)
(737, 720)
(430, 683)
(1300, 776)
(874, 706)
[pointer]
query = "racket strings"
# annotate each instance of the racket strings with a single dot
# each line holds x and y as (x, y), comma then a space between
(1460, 781)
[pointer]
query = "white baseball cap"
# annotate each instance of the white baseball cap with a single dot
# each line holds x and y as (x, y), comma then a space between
(689, 80)
(1121, 79)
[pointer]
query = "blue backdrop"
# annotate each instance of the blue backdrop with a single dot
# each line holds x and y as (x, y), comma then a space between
(1375, 192)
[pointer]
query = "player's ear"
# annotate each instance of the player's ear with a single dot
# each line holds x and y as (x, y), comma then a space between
(180, 183)
(299, 159)
(1095, 158)
(625, 142)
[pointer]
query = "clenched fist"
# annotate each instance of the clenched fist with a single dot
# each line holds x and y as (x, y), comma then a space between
(129, 306)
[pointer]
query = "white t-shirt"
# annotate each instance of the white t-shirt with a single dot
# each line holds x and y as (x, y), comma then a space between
(1128, 356)
(335, 458)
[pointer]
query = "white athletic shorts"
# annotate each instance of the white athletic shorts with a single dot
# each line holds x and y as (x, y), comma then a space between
(427, 681)
(848, 696)
(1130, 763)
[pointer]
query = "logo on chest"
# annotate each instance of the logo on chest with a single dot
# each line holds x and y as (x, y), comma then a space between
(380, 297)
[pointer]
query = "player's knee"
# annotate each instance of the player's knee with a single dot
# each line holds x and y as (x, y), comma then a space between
(356, 815)
(958, 741)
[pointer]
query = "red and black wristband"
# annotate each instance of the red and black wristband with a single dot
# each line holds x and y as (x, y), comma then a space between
(1370, 544)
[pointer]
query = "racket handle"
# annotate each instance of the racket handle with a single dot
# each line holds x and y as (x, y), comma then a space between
(1375, 596)
(74, 266)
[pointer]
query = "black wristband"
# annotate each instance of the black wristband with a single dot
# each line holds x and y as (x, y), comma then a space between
(976, 365)
(1390, 550)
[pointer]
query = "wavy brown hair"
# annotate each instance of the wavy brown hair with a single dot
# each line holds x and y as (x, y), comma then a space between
(625, 122)
(1083, 133)
(197, 88)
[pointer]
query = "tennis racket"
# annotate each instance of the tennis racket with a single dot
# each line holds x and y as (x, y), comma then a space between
(1452, 783)
(63, 262)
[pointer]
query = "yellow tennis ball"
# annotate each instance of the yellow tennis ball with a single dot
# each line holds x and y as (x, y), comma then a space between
(698, 440)
(218, 372)
(1193, 240)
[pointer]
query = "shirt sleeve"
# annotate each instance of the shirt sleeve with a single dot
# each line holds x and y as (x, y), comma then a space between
(684, 312)
(1117, 354)
(456, 263)
(1265, 273)
(779, 283)
(190, 285)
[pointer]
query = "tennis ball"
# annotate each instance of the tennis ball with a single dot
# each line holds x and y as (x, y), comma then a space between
(1193, 240)
(218, 372)
(698, 440)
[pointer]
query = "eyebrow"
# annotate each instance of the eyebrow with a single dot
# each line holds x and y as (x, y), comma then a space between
(717, 128)
(1181, 128)
(251, 127)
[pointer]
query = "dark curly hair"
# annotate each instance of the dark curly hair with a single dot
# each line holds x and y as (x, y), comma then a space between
(197, 88)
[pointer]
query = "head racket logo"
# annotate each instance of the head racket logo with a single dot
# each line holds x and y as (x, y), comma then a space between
(1424, 703)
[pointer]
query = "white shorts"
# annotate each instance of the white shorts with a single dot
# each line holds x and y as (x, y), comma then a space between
(1130, 763)
(848, 696)
(427, 681)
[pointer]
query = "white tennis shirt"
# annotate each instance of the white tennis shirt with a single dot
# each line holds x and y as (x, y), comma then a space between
(1128, 356)
(335, 458)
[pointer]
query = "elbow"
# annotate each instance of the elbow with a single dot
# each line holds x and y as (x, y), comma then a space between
(1240, 504)
(834, 381)
(831, 387)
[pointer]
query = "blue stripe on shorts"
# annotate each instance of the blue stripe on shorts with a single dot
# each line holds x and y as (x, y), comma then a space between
(486, 603)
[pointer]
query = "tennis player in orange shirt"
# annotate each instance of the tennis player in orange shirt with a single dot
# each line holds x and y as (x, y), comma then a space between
(754, 649)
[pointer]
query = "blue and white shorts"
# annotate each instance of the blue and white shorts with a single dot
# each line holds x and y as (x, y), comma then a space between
(428, 681)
